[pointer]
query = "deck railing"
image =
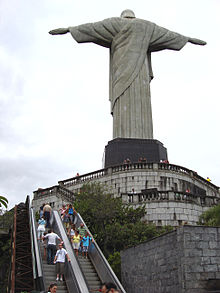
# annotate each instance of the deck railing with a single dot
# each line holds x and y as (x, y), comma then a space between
(169, 195)
(124, 168)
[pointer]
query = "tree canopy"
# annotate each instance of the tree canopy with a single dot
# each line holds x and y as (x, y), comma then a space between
(211, 217)
(114, 225)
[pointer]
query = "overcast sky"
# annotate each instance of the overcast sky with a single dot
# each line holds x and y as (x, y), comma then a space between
(54, 110)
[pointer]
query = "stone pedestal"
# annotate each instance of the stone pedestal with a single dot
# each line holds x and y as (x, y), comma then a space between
(120, 149)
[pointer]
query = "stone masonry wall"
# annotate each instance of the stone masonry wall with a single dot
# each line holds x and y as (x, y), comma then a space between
(186, 260)
(152, 266)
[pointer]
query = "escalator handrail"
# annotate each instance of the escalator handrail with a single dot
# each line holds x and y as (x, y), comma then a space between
(111, 273)
(77, 273)
(36, 254)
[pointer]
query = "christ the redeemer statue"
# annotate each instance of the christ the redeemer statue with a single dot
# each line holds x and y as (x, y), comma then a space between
(131, 42)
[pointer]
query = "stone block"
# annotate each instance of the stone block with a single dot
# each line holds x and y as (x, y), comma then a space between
(179, 210)
(214, 260)
(182, 217)
(153, 205)
(213, 244)
(202, 245)
(208, 252)
(173, 204)
(206, 275)
(210, 268)
(210, 236)
(205, 260)
(188, 252)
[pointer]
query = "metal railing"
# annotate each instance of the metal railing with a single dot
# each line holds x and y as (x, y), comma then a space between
(36, 255)
(99, 261)
(73, 275)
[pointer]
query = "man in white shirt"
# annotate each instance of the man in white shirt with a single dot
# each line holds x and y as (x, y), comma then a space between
(59, 260)
(51, 245)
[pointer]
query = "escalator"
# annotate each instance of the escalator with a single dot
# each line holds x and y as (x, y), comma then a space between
(81, 275)
(45, 274)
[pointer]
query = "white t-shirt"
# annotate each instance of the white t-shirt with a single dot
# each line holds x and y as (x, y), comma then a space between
(72, 232)
(61, 253)
(52, 238)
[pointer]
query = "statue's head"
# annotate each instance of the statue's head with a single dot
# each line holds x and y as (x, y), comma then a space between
(127, 13)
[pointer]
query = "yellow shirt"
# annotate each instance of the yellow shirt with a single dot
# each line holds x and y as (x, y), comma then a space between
(76, 239)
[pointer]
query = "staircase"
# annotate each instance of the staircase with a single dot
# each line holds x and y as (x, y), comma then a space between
(50, 274)
(89, 273)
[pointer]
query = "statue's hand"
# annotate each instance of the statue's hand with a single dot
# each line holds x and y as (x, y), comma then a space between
(196, 41)
(59, 31)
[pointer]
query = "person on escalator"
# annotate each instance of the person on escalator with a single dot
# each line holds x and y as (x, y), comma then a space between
(71, 214)
(52, 288)
(59, 260)
(47, 210)
(86, 242)
(82, 232)
(111, 288)
(76, 242)
(108, 288)
(41, 228)
(71, 231)
(103, 288)
(51, 245)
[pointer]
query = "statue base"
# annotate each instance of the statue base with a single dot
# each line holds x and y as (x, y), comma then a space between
(120, 149)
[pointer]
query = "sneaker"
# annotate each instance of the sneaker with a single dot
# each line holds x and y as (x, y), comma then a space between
(61, 279)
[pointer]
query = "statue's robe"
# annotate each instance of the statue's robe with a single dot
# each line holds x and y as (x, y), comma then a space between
(131, 42)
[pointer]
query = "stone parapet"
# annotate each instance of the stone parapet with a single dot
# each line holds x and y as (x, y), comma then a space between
(177, 191)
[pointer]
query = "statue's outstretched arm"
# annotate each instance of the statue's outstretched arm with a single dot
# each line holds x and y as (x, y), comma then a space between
(196, 41)
(59, 31)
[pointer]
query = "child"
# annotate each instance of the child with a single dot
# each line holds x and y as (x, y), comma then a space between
(59, 260)
(66, 219)
(71, 231)
(85, 242)
(76, 242)
(71, 214)
(41, 228)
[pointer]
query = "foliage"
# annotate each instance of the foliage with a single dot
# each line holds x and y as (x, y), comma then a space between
(114, 225)
(211, 217)
(37, 216)
(5, 252)
(3, 201)
(6, 221)
(115, 262)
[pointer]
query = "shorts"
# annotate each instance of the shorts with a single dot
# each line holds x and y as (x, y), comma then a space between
(60, 268)
(76, 245)
(85, 248)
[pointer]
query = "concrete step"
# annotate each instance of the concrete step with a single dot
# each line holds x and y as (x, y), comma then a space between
(89, 272)
(92, 279)
(88, 269)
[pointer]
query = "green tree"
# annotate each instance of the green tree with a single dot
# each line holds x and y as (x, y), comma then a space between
(3, 201)
(211, 217)
(114, 225)
(6, 221)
